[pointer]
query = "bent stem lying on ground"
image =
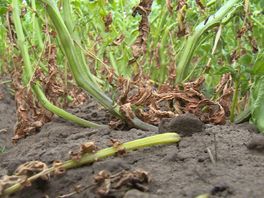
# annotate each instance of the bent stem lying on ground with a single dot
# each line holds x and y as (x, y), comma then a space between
(28, 73)
(88, 158)
(81, 72)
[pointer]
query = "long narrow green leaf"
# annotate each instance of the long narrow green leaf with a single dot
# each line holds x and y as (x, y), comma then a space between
(225, 13)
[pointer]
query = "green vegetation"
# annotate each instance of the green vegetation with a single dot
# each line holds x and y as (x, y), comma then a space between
(140, 60)
(162, 43)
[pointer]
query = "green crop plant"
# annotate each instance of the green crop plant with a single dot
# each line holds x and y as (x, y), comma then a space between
(84, 77)
(184, 42)
(80, 71)
(222, 16)
(256, 106)
(28, 73)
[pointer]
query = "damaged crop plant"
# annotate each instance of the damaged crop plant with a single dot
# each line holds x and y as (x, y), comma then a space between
(142, 60)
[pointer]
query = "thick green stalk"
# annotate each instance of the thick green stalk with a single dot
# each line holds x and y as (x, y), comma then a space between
(223, 15)
(36, 32)
(257, 104)
(28, 73)
(80, 71)
(243, 116)
(234, 100)
(88, 158)
(27, 69)
(60, 112)
(68, 18)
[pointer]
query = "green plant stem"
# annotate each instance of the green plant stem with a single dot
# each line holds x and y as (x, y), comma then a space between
(60, 112)
(36, 32)
(223, 15)
(243, 116)
(68, 18)
(28, 73)
(80, 70)
(210, 3)
(257, 104)
(88, 158)
(234, 101)
(258, 22)
(27, 69)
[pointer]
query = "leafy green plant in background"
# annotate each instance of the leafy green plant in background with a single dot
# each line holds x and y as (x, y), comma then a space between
(83, 39)
(3, 37)
(257, 93)
(28, 73)
(80, 72)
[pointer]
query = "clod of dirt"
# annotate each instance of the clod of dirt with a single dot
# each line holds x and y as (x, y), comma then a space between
(138, 194)
(222, 190)
(186, 125)
(256, 143)
(248, 126)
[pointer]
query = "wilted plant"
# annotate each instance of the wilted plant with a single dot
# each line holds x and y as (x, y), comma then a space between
(155, 42)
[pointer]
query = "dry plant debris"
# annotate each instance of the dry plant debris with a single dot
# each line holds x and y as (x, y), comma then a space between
(108, 21)
(31, 168)
(118, 146)
(88, 147)
(181, 12)
(140, 45)
(107, 184)
(151, 103)
(7, 181)
(31, 115)
(58, 167)
(22, 173)
(169, 6)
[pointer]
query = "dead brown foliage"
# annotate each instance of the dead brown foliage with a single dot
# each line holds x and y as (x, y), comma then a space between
(200, 4)
(31, 168)
(181, 12)
(108, 21)
(88, 147)
(31, 115)
(140, 45)
(151, 103)
(169, 6)
(108, 183)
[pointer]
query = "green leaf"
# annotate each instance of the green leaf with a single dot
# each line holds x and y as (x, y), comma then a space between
(224, 70)
(258, 68)
(245, 60)
(257, 103)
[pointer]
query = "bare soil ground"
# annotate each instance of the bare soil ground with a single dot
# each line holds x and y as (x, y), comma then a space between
(175, 171)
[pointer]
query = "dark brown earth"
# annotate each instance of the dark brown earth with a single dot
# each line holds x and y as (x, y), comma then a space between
(184, 171)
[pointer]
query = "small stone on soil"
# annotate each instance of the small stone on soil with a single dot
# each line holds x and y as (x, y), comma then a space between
(222, 190)
(256, 143)
(186, 125)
